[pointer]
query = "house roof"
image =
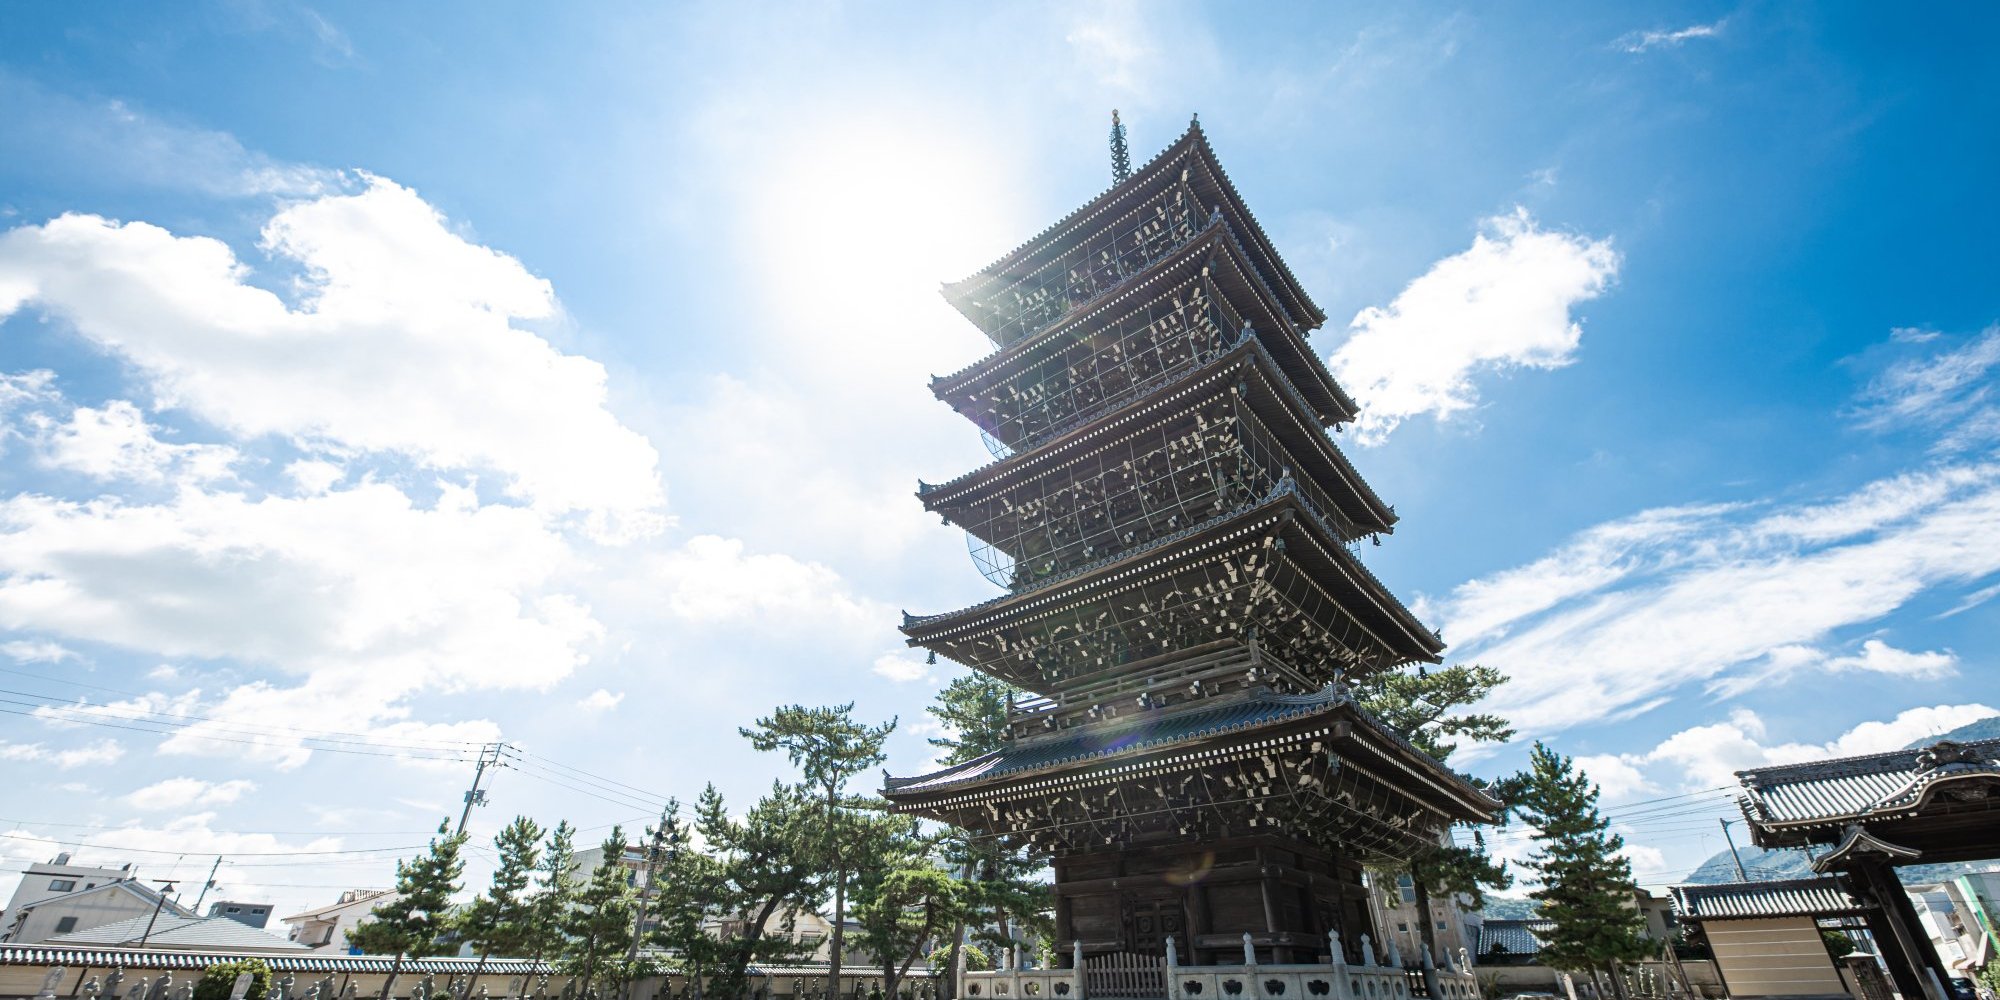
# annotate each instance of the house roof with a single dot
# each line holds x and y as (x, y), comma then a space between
(1513, 937)
(328, 908)
(173, 931)
(1847, 789)
(72, 956)
(145, 893)
(1798, 897)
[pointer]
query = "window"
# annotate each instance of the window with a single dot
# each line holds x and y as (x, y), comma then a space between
(1408, 887)
(1402, 927)
(234, 909)
(62, 884)
(65, 925)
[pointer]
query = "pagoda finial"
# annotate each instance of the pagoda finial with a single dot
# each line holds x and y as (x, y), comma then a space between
(1121, 156)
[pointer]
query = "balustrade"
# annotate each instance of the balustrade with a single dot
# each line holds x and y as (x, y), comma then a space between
(1128, 975)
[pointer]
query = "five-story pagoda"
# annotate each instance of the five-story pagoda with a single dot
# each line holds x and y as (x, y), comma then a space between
(1177, 535)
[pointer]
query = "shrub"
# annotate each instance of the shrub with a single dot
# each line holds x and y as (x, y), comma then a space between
(217, 980)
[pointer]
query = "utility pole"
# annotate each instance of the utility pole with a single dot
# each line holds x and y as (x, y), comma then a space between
(166, 886)
(1741, 875)
(646, 892)
(210, 884)
(489, 755)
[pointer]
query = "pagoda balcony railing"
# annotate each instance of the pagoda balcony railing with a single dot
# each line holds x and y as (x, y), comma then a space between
(1087, 272)
(1061, 543)
(1131, 976)
(1187, 327)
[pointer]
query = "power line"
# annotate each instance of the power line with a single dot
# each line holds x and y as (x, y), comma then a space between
(288, 730)
(240, 854)
(172, 730)
(67, 712)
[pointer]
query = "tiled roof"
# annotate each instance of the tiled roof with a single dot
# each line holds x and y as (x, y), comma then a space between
(169, 931)
(1145, 732)
(1852, 788)
(131, 958)
(1512, 937)
(1256, 709)
(1800, 897)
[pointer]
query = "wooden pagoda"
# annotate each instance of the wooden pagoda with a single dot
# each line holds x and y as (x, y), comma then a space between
(1177, 535)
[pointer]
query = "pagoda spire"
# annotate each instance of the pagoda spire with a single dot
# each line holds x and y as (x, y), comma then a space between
(1121, 156)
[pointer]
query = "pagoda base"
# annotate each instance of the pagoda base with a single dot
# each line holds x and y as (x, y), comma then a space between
(1285, 893)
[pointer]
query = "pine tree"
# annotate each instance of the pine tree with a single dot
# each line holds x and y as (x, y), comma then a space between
(1002, 886)
(599, 924)
(557, 892)
(830, 748)
(1424, 706)
(769, 858)
(414, 923)
(1586, 885)
(503, 920)
(687, 889)
(902, 898)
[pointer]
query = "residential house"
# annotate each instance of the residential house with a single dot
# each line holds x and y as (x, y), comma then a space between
(1959, 913)
(183, 932)
(325, 929)
(85, 908)
(248, 914)
(56, 877)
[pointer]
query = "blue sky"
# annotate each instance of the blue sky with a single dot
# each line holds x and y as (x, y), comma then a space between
(442, 374)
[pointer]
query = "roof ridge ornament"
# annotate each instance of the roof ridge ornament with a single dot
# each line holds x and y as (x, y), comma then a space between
(1945, 752)
(1121, 154)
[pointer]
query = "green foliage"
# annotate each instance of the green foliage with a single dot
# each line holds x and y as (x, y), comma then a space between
(1423, 706)
(414, 923)
(598, 925)
(1838, 945)
(1990, 975)
(1426, 707)
(976, 958)
(217, 981)
(830, 748)
(769, 858)
(688, 884)
(1586, 887)
(504, 920)
(826, 744)
(903, 898)
(555, 893)
(1004, 894)
(973, 711)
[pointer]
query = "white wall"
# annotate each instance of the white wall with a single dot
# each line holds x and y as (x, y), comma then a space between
(93, 910)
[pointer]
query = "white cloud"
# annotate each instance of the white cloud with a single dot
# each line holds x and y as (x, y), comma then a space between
(188, 793)
(901, 667)
(117, 442)
(1950, 392)
(1503, 304)
(27, 651)
(712, 580)
(600, 700)
(105, 751)
(1616, 776)
(1640, 41)
(121, 146)
(400, 340)
(1620, 617)
(1129, 48)
(1709, 756)
(369, 595)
